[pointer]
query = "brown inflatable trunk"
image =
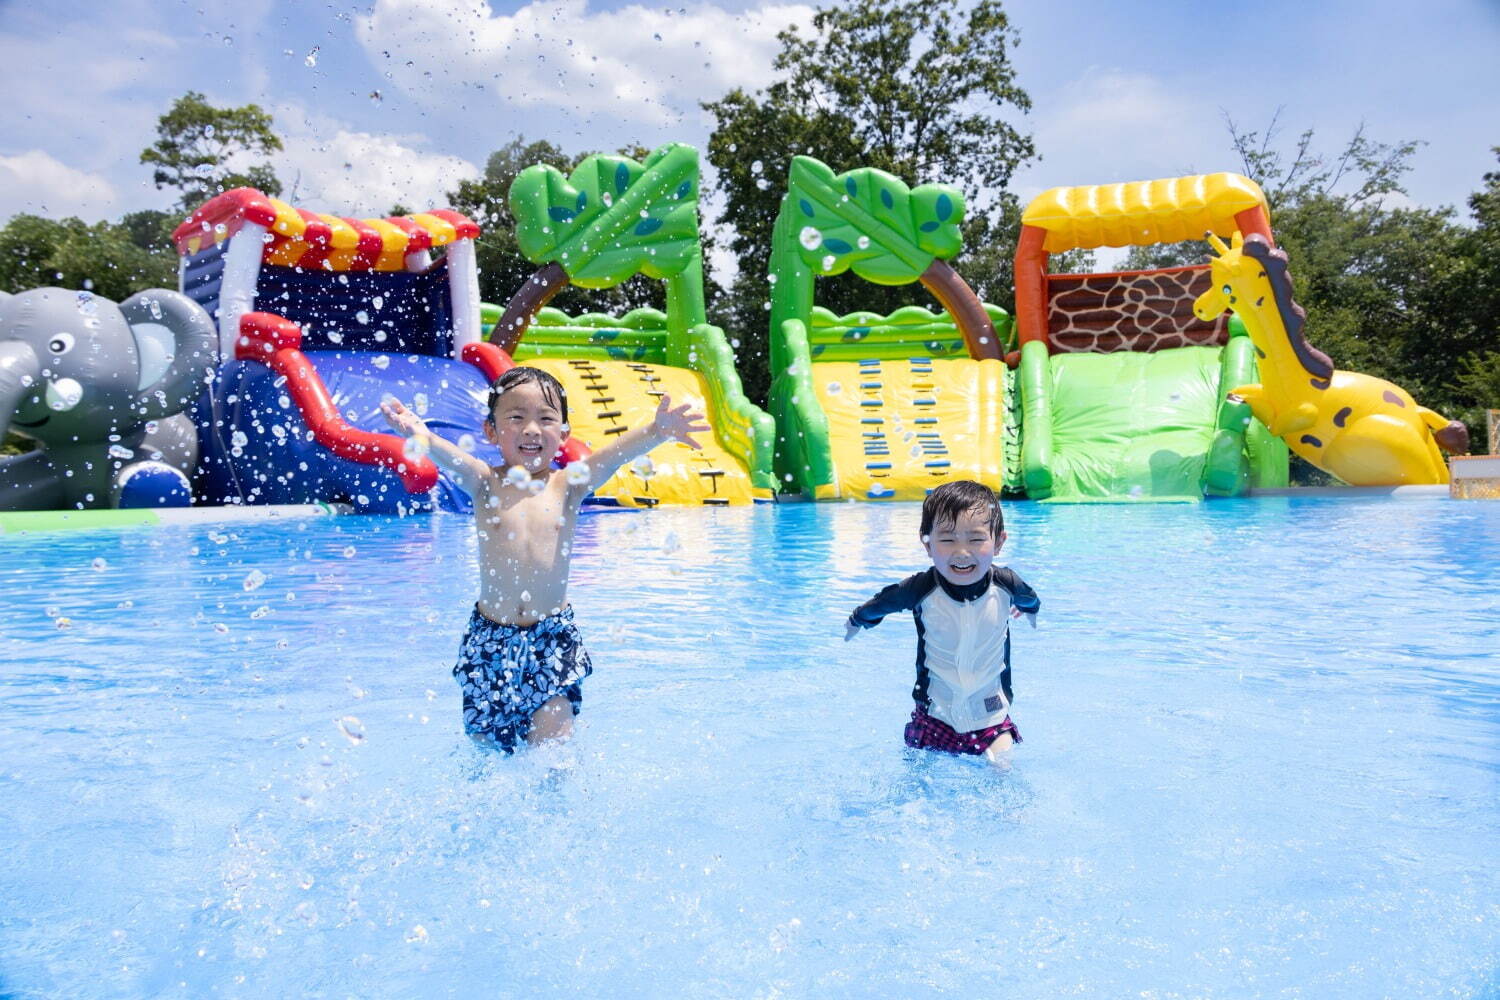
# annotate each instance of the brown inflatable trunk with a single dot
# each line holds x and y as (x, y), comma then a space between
(533, 294)
(964, 306)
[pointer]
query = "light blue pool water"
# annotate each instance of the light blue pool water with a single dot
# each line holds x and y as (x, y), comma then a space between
(1261, 759)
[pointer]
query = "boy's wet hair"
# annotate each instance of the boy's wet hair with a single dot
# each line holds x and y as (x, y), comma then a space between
(552, 390)
(944, 504)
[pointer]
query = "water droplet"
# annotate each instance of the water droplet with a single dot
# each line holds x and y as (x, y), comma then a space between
(312, 57)
(578, 472)
(761, 183)
(261, 612)
(828, 262)
(863, 242)
(756, 167)
(467, 443)
(348, 552)
(419, 404)
(415, 448)
(417, 935)
(378, 301)
(221, 628)
(353, 729)
(254, 580)
(517, 476)
(644, 467)
(238, 439)
(381, 361)
(810, 237)
(151, 426)
(374, 97)
(834, 388)
(99, 564)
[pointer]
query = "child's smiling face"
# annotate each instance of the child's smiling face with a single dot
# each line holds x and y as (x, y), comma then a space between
(963, 550)
(528, 429)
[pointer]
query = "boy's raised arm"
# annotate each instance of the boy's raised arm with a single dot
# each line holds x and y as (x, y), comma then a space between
(670, 424)
(901, 596)
(463, 467)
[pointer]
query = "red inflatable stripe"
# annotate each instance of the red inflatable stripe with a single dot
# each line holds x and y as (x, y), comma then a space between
(277, 342)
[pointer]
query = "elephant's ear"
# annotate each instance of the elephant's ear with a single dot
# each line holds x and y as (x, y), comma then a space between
(178, 348)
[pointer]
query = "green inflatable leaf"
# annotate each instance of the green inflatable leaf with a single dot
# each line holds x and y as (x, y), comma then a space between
(870, 222)
(612, 217)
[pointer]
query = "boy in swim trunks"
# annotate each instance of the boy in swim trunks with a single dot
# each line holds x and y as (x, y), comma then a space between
(522, 662)
(962, 606)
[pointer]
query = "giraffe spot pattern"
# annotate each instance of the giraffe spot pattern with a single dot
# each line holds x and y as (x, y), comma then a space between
(1318, 383)
(1341, 416)
(1391, 397)
(1308, 439)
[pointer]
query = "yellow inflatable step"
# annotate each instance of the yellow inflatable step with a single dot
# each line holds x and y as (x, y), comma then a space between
(606, 398)
(897, 429)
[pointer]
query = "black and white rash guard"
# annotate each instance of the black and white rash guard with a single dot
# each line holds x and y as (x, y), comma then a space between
(963, 641)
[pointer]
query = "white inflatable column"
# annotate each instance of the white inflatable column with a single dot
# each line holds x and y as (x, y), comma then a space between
(237, 283)
(463, 284)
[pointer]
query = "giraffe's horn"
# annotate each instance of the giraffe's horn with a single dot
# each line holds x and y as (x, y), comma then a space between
(1216, 243)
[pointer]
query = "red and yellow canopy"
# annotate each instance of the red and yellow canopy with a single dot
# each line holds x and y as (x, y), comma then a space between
(307, 239)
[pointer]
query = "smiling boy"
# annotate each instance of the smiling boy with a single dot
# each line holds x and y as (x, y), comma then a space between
(962, 607)
(522, 663)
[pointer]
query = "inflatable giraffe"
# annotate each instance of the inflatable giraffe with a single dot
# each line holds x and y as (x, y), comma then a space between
(1364, 430)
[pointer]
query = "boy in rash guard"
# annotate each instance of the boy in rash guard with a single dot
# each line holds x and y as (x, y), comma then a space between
(522, 662)
(962, 606)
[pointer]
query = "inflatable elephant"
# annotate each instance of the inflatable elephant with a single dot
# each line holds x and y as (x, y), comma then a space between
(101, 388)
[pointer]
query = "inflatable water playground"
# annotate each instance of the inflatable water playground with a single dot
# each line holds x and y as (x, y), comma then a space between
(233, 758)
(258, 381)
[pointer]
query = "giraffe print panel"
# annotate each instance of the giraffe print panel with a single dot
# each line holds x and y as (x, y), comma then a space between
(1130, 311)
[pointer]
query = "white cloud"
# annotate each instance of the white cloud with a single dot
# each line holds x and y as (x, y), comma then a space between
(357, 174)
(647, 66)
(35, 181)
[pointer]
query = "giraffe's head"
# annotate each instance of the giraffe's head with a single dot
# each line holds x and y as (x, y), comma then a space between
(1226, 276)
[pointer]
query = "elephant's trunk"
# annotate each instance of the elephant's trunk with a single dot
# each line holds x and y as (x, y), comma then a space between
(19, 374)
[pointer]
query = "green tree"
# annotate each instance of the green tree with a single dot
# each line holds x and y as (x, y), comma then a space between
(920, 90)
(1472, 292)
(502, 267)
(201, 150)
(103, 258)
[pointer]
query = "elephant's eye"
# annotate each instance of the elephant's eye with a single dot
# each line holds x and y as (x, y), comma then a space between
(60, 344)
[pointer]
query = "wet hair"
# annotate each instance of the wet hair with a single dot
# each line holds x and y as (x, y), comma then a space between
(944, 504)
(552, 390)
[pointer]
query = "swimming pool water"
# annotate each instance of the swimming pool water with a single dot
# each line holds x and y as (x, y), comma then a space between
(1261, 759)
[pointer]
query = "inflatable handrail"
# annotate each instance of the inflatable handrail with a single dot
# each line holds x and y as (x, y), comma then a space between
(277, 343)
(493, 362)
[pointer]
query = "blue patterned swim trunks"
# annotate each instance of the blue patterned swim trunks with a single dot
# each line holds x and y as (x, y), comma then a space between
(507, 672)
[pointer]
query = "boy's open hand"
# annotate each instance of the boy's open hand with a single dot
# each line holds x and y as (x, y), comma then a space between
(401, 419)
(679, 423)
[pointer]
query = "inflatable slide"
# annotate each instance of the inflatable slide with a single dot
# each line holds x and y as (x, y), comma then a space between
(1123, 388)
(873, 407)
(609, 220)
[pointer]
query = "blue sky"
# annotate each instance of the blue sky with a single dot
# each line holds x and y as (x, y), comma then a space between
(397, 99)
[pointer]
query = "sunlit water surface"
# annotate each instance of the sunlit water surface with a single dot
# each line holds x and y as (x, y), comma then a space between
(1260, 760)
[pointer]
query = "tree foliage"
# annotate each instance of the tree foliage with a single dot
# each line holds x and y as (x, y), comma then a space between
(104, 257)
(921, 90)
(201, 150)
